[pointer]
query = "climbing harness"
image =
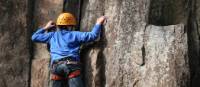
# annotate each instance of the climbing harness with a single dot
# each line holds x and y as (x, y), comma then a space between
(71, 73)
(74, 74)
(57, 77)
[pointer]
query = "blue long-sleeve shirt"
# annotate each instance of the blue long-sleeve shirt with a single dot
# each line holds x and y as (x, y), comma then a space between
(65, 43)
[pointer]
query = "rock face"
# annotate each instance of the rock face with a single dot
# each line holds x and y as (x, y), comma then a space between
(131, 52)
(14, 44)
(144, 43)
(166, 60)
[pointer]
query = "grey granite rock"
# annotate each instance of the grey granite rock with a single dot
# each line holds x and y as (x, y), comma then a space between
(14, 44)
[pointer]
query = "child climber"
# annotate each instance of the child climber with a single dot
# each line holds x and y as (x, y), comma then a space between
(64, 48)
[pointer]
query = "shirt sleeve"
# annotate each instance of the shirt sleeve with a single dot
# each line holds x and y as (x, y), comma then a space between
(90, 36)
(41, 36)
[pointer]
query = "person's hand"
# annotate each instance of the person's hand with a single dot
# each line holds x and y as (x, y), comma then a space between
(101, 20)
(49, 25)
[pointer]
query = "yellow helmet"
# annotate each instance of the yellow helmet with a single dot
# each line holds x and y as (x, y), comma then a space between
(66, 19)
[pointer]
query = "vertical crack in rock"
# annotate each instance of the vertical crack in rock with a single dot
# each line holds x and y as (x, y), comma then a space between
(143, 55)
(80, 15)
(74, 7)
(198, 30)
(143, 46)
(31, 4)
(194, 42)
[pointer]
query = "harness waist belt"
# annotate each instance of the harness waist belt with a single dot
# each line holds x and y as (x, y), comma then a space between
(72, 62)
(66, 60)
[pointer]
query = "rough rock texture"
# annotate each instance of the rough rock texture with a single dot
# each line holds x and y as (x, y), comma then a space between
(40, 73)
(132, 53)
(145, 43)
(93, 65)
(14, 44)
(166, 60)
(44, 10)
